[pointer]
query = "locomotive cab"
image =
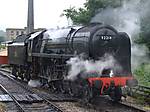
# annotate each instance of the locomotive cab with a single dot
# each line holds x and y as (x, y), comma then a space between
(17, 55)
(17, 51)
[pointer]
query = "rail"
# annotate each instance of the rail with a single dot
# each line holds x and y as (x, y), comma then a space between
(14, 99)
(141, 90)
(55, 107)
(137, 109)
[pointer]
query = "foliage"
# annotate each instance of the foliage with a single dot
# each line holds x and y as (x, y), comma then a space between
(143, 40)
(91, 7)
(143, 74)
(2, 46)
(77, 16)
(145, 27)
(2, 38)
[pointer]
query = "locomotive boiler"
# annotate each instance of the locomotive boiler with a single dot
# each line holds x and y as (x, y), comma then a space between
(44, 55)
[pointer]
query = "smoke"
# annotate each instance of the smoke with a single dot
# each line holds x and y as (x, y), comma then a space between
(55, 34)
(139, 55)
(79, 65)
(127, 18)
(34, 83)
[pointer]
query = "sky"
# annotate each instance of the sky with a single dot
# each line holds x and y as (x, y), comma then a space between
(13, 13)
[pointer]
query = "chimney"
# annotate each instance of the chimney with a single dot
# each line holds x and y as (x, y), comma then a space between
(30, 21)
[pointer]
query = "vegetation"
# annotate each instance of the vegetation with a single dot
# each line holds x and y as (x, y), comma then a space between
(143, 71)
(2, 38)
(143, 74)
(91, 7)
(2, 47)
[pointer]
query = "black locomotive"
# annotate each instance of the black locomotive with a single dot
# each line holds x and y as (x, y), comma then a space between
(44, 55)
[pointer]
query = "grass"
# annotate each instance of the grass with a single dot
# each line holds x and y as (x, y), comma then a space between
(142, 74)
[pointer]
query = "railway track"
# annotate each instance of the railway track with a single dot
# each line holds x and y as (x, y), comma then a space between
(137, 109)
(42, 91)
(121, 104)
(115, 106)
(13, 98)
(21, 101)
(141, 90)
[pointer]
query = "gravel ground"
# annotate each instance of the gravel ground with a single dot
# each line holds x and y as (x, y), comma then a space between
(136, 103)
(102, 104)
(73, 107)
(2, 107)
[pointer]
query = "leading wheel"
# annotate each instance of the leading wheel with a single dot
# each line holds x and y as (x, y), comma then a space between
(27, 75)
(116, 94)
(14, 72)
(87, 93)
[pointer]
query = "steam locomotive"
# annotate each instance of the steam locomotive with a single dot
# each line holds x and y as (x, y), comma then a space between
(44, 55)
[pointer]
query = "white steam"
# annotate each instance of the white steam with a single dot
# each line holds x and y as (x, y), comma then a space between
(79, 65)
(139, 55)
(128, 19)
(125, 18)
(34, 83)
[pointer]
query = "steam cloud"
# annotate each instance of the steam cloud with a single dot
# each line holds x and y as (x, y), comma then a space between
(79, 65)
(128, 19)
(34, 83)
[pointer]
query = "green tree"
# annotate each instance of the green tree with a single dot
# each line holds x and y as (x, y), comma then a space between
(80, 16)
(91, 7)
(144, 37)
(2, 38)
